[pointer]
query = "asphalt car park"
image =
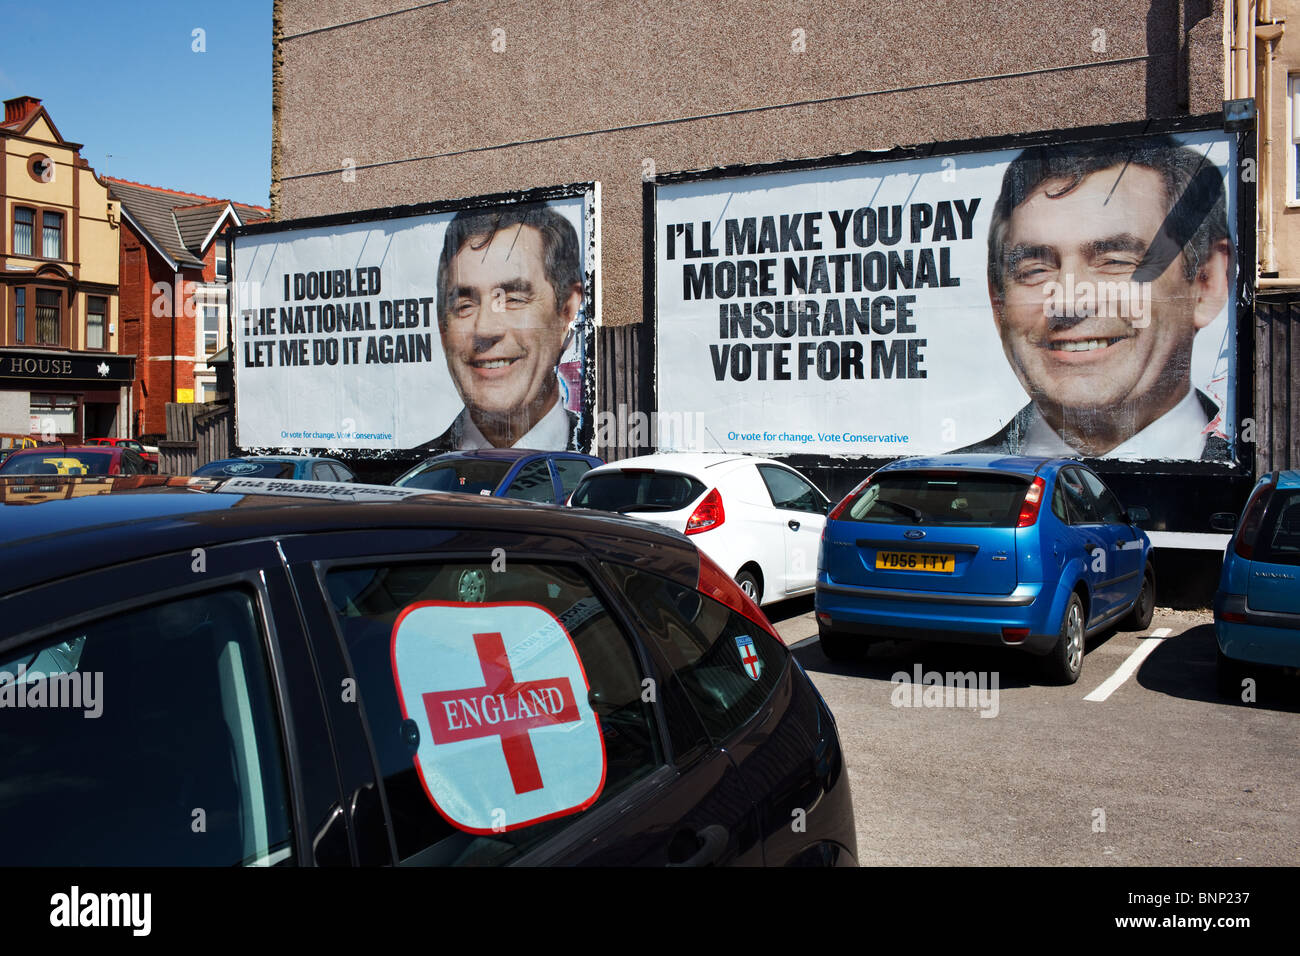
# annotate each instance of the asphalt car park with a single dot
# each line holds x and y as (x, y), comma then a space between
(1156, 769)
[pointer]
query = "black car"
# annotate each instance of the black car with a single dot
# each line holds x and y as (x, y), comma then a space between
(288, 673)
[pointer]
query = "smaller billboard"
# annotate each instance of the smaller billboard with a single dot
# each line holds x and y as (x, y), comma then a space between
(462, 327)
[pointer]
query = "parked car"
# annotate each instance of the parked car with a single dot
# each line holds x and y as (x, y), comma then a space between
(1257, 604)
(544, 476)
(1031, 553)
(150, 457)
(74, 460)
(760, 520)
(348, 674)
(11, 442)
(299, 467)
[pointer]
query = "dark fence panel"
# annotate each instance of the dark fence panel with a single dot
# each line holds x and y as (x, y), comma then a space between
(624, 380)
(196, 435)
(1277, 393)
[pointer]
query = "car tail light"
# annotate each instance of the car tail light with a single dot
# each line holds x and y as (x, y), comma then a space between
(708, 515)
(1015, 635)
(847, 499)
(1033, 499)
(1251, 521)
(714, 583)
(1233, 608)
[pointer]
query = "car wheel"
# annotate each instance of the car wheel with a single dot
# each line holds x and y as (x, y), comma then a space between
(1144, 608)
(1064, 663)
(471, 586)
(749, 584)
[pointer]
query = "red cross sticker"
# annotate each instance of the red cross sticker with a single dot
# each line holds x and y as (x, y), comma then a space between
(503, 707)
(499, 697)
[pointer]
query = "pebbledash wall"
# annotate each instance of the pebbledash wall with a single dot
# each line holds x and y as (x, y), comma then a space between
(378, 104)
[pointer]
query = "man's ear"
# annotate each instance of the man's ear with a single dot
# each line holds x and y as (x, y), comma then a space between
(569, 314)
(1211, 284)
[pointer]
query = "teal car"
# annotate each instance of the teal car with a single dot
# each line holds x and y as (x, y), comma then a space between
(1257, 605)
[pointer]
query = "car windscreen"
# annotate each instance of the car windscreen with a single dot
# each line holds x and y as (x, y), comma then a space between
(637, 490)
(943, 499)
(246, 469)
(59, 463)
(469, 476)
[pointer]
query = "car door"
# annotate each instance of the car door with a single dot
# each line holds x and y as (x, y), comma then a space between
(431, 633)
(802, 508)
(569, 470)
(207, 743)
(1090, 542)
(1124, 543)
(531, 482)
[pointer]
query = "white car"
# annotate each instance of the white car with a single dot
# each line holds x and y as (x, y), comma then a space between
(759, 520)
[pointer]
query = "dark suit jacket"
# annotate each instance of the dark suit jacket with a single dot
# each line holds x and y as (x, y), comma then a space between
(1011, 439)
(451, 439)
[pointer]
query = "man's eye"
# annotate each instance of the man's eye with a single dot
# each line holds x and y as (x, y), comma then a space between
(1031, 274)
(1117, 264)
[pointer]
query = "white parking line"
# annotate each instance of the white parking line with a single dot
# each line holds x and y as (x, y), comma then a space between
(1131, 664)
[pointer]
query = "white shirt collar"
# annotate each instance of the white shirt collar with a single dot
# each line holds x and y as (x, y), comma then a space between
(551, 433)
(1177, 434)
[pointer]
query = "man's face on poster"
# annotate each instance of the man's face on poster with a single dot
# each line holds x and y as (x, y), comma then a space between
(504, 330)
(1079, 333)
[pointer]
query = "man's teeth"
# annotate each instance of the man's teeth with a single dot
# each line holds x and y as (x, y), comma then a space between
(1087, 345)
(493, 363)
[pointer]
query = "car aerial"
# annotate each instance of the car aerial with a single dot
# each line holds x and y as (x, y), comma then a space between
(1030, 553)
(150, 457)
(272, 673)
(760, 520)
(296, 467)
(527, 474)
(74, 460)
(1257, 604)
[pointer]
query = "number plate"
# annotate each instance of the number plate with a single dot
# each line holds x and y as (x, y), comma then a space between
(912, 561)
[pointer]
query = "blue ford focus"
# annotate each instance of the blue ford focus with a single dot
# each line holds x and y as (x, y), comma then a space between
(1030, 553)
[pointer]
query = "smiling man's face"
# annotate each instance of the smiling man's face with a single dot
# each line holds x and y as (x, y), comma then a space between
(504, 333)
(1084, 351)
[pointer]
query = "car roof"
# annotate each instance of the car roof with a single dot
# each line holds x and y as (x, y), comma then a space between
(1016, 464)
(700, 464)
(150, 515)
(66, 449)
(501, 454)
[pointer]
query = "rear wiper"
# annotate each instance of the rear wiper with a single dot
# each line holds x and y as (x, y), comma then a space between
(916, 514)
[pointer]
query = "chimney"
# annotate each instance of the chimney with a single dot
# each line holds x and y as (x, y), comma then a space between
(20, 107)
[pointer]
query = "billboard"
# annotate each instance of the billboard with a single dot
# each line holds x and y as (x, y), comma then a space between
(453, 327)
(1073, 297)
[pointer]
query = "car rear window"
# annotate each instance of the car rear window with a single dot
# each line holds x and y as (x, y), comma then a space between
(466, 475)
(1279, 539)
(59, 462)
(943, 499)
(246, 469)
(637, 490)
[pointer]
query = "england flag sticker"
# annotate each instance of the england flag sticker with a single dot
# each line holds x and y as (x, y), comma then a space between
(752, 662)
(498, 694)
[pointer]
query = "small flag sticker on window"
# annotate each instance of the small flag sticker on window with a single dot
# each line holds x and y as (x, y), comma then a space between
(751, 661)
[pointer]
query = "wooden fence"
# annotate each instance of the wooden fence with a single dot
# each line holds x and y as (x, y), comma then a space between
(1277, 380)
(196, 435)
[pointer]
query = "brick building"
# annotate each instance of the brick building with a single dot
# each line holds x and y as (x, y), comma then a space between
(65, 371)
(174, 274)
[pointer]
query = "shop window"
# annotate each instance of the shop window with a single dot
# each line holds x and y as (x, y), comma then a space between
(96, 307)
(55, 414)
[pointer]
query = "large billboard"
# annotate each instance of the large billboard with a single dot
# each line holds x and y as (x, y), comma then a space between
(464, 327)
(1073, 297)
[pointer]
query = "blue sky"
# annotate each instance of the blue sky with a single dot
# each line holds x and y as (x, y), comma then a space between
(125, 80)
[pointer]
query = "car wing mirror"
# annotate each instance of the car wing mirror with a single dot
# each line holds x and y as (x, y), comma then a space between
(1137, 515)
(1224, 521)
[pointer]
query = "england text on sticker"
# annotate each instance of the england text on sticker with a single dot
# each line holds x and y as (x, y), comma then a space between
(499, 695)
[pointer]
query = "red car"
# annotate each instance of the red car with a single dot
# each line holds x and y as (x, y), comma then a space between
(150, 457)
(75, 460)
